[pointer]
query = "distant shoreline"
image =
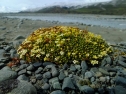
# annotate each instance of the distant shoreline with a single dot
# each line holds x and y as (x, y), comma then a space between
(12, 27)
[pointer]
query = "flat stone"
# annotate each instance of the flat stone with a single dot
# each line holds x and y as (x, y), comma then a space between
(86, 89)
(58, 92)
(46, 86)
(22, 72)
(56, 85)
(119, 90)
(67, 84)
(123, 64)
(47, 75)
(103, 71)
(23, 77)
(24, 87)
(120, 81)
(47, 63)
(7, 74)
(37, 64)
(103, 79)
(39, 70)
(38, 76)
(88, 74)
(98, 74)
(30, 67)
(53, 80)
(23, 66)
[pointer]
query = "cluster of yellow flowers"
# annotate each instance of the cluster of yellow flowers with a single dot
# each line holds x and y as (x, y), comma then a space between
(60, 44)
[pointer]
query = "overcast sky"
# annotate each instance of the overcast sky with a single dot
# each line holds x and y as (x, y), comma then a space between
(19, 5)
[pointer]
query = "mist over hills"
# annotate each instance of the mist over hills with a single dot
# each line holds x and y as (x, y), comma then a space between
(114, 7)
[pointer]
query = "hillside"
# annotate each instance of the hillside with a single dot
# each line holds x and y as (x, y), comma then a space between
(115, 7)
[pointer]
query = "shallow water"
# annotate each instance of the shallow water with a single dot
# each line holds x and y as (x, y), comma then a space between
(99, 20)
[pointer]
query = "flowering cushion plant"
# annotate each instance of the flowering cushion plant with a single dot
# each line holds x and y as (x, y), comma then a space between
(60, 44)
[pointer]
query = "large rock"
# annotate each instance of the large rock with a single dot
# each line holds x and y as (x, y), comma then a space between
(24, 87)
(7, 74)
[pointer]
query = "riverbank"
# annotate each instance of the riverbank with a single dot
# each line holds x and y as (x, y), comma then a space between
(10, 28)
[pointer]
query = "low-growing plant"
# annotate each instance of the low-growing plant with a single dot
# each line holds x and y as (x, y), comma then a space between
(61, 44)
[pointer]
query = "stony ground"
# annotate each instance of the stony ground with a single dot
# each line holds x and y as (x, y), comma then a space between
(48, 78)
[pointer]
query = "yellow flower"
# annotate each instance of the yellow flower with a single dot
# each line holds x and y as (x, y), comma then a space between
(75, 61)
(61, 53)
(93, 62)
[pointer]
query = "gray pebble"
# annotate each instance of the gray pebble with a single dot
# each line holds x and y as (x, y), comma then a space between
(61, 75)
(103, 71)
(23, 77)
(22, 72)
(46, 86)
(67, 84)
(38, 76)
(47, 75)
(30, 67)
(122, 63)
(88, 74)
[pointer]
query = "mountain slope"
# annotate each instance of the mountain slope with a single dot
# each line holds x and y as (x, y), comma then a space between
(115, 7)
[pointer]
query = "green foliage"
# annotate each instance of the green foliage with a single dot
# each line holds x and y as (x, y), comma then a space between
(60, 44)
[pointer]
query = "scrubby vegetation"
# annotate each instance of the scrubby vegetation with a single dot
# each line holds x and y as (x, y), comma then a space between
(61, 44)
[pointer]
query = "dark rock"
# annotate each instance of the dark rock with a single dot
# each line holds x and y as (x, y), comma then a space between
(22, 62)
(58, 92)
(7, 74)
(88, 74)
(38, 70)
(2, 28)
(122, 63)
(119, 90)
(47, 63)
(16, 44)
(54, 71)
(19, 37)
(7, 48)
(2, 65)
(78, 67)
(110, 91)
(38, 76)
(53, 80)
(24, 87)
(86, 89)
(61, 75)
(46, 86)
(8, 85)
(30, 67)
(37, 64)
(120, 81)
(47, 75)
(23, 77)
(23, 66)
(56, 85)
(65, 66)
(67, 84)
(29, 72)
(103, 71)
(84, 66)
(22, 72)
(72, 68)
(101, 90)
(108, 60)
(121, 58)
